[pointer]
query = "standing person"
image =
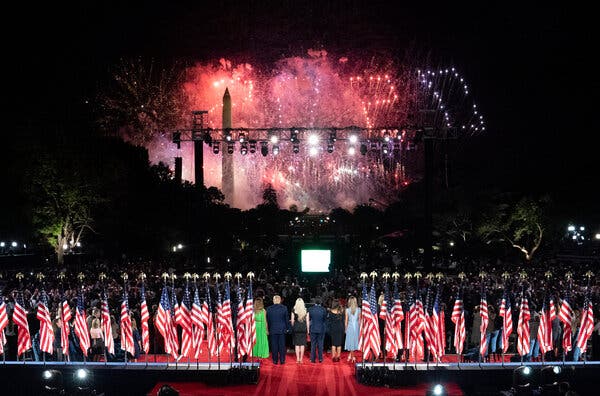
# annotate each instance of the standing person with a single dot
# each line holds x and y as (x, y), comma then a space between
(299, 329)
(277, 320)
(335, 320)
(261, 348)
(352, 325)
(316, 325)
(97, 344)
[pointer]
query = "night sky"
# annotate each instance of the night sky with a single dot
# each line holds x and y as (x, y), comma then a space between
(525, 64)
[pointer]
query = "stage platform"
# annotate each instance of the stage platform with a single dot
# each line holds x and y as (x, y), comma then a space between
(119, 378)
(477, 378)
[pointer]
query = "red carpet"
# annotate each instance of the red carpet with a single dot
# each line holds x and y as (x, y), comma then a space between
(318, 379)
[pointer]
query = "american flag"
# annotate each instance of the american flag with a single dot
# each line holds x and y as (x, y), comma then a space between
(250, 325)
(523, 337)
(429, 331)
(224, 320)
(65, 318)
(458, 318)
(207, 317)
(397, 317)
(46, 329)
(483, 312)
(415, 327)
(507, 324)
(240, 327)
(164, 323)
(587, 324)
(391, 345)
(109, 342)
(173, 311)
(198, 324)
(438, 326)
(126, 329)
(369, 340)
(20, 319)
(81, 329)
(144, 315)
(544, 334)
(184, 319)
(566, 316)
(3, 323)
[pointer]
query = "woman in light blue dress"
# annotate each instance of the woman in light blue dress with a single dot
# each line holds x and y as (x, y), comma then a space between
(352, 328)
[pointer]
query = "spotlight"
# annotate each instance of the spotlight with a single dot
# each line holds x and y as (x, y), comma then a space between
(363, 149)
(351, 151)
(242, 137)
(294, 136)
(373, 146)
(230, 148)
(385, 148)
(216, 147)
(228, 135)
(330, 148)
(296, 148)
(353, 139)
(252, 146)
(82, 379)
(273, 137)
(332, 136)
(386, 136)
(275, 149)
(52, 380)
(437, 390)
(396, 146)
(550, 377)
(264, 150)
(2, 244)
(313, 139)
(313, 151)
(522, 378)
(177, 139)
(244, 149)
(81, 374)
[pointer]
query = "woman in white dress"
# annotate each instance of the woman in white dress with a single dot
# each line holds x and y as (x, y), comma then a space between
(352, 328)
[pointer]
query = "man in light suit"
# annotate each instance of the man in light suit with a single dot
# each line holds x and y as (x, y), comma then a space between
(277, 319)
(315, 321)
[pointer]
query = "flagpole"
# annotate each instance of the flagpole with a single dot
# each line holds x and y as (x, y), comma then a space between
(102, 277)
(588, 275)
(187, 277)
(61, 276)
(373, 275)
(217, 276)
(461, 276)
(206, 277)
(142, 276)
(417, 277)
(199, 346)
(407, 339)
(442, 336)
(569, 276)
(250, 275)
(227, 277)
(428, 324)
(396, 275)
(482, 276)
(124, 339)
(174, 297)
(506, 277)
(386, 293)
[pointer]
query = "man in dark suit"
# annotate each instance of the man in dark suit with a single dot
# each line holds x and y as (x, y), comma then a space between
(316, 325)
(277, 320)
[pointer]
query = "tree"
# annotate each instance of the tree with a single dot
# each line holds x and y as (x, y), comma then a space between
(270, 197)
(63, 203)
(521, 225)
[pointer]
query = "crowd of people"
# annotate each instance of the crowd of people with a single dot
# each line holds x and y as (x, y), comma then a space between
(292, 310)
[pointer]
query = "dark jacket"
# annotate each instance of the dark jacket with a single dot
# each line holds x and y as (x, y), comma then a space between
(317, 315)
(277, 318)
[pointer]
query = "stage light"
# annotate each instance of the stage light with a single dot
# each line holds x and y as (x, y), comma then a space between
(244, 149)
(581, 228)
(2, 244)
(330, 148)
(242, 137)
(78, 244)
(216, 147)
(522, 378)
(332, 136)
(228, 135)
(313, 151)
(179, 246)
(351, 151)
(274, 139)
(313, 139)
(230, 148)
(81, 374)
(275, 150)
(353, 139)
(14, 244)
(252, 146)
(385, 148)
(296, 148)
(571, 228)
(438, 390)
(597, 236)
(363, 149)
(294, 136)
(373, 146)
(177, 139)
(82, 379)
(386, 136)
(52, 380)
(396, 146)
(549, 379)
(264, 149)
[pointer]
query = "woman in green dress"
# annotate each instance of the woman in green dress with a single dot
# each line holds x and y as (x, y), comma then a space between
(261, 348)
